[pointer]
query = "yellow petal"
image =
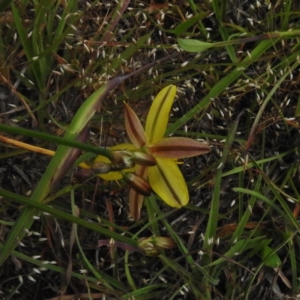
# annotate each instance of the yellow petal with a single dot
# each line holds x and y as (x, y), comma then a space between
(134, 128)
(167, 181)
(158, 116)
(116, 175)
(136, 200)
(178, 147)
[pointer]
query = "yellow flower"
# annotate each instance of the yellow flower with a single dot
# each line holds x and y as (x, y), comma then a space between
(165, 178)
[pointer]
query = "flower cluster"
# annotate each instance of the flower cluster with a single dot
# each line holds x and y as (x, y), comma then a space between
(155, 156)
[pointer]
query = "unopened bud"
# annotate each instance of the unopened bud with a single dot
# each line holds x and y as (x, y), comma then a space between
(148, 248)
(137, 183)
(117, 157)
(100, 168)
(163, 242)
(151, 246)
(123, 159)
(144, 159)
(82, 175)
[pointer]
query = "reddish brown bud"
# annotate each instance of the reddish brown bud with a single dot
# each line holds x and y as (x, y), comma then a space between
(82, 175)
(144, 159)
(137, 183)
(100, 168)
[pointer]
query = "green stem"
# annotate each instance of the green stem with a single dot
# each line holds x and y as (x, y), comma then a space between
(57, 140)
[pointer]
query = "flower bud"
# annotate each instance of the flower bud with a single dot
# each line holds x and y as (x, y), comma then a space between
(123, 159)
(148, 248)
(144, 159)
(163, 242)
(117, 157)
(100, 167)
(82, 175)
(151, 246)
(137, 183)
